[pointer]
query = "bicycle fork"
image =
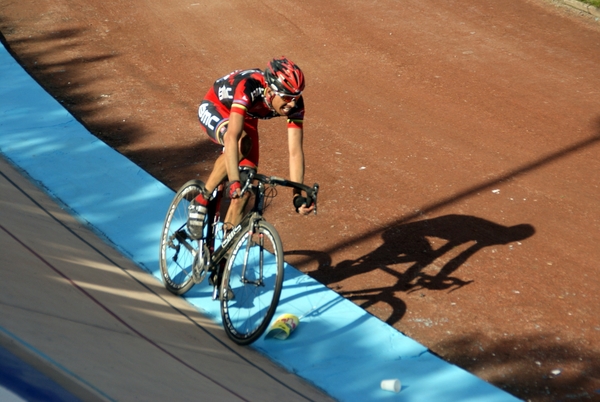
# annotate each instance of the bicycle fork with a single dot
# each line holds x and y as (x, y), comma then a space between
(261, 242)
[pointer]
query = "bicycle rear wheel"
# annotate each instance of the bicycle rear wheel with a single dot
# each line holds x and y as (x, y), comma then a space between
(251, 284)
(177, 249)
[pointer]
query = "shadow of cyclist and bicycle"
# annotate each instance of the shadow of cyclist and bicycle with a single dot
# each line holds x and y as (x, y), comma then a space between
(408, 253)
(411, 245)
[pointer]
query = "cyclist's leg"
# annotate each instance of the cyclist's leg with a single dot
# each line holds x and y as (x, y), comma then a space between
(219, 172)
(249, 153)
(213, 120)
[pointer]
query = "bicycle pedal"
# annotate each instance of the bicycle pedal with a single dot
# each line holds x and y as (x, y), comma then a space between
(215, 294)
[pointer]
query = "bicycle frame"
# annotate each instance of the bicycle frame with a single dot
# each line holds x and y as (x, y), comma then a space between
(248, 223)
(246, 268)
(249, 220)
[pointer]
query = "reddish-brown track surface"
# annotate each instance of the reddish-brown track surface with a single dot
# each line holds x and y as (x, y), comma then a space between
(457, 145)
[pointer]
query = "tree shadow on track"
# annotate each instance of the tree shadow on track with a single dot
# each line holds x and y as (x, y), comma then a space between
(58, 63)
(543, 368)
(62, 77)
(429, 266)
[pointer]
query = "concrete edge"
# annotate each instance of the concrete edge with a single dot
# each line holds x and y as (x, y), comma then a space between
(587, 8)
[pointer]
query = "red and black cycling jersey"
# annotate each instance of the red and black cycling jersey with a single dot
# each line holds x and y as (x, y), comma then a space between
(242, 92)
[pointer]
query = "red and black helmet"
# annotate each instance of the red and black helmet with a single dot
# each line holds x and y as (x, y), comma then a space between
(283, 76)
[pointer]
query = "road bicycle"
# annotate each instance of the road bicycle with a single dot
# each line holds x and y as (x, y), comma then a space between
(244, 263)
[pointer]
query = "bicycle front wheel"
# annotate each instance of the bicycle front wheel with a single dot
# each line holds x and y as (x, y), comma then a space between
(177, 249)
(251, 283)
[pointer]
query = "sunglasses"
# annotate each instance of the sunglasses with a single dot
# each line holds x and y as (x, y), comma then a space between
(287, 98)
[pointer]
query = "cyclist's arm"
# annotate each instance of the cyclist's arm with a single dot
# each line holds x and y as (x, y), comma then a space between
(296, 155)
(231, 141)
(295, 138)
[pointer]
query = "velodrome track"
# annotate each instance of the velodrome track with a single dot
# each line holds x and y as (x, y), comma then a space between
(76, 305)
(90, 320)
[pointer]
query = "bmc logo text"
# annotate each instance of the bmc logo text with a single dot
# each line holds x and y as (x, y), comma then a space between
(225, 92)
(206, 117)
(231, 235)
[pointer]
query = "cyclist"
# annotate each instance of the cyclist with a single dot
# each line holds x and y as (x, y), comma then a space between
(229, 114)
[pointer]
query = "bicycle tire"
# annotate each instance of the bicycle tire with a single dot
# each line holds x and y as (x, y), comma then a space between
(177, 249)
(247, 308)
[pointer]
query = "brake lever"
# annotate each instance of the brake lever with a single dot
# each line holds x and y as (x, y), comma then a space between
(248, 183)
